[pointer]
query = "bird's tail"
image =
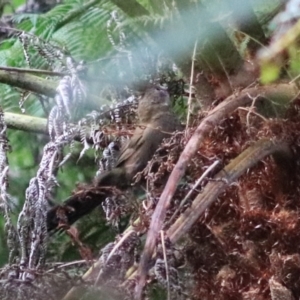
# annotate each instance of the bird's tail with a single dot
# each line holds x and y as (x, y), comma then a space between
(79, 204)
(86, 199)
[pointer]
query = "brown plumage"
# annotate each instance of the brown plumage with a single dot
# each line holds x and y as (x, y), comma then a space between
(156, 122)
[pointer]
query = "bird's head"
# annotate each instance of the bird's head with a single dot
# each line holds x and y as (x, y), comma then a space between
(155, 100)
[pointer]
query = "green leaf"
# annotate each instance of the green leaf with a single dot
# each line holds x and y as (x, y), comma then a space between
(269, 72)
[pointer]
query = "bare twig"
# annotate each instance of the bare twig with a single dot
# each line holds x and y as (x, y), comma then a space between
(250, 111)
(162, 237)
(65, 265)
(191, 86)
(120, 242)
(188, 195)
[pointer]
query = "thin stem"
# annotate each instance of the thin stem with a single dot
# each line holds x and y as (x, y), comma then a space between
(191, 86)
(188, 195)
(162, 237)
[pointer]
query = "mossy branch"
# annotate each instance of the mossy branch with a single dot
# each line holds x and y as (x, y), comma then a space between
(32, 71)
(29, 124)
(29, 82)
(26, 123)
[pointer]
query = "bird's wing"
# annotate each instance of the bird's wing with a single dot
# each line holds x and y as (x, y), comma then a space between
(131, 146)
(144, 142)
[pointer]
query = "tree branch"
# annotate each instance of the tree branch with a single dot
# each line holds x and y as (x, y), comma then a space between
(30, 124)
(32, 71)
(29, 82)
(26, 123)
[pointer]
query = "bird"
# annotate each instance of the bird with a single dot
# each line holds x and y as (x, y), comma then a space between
(156, 122)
